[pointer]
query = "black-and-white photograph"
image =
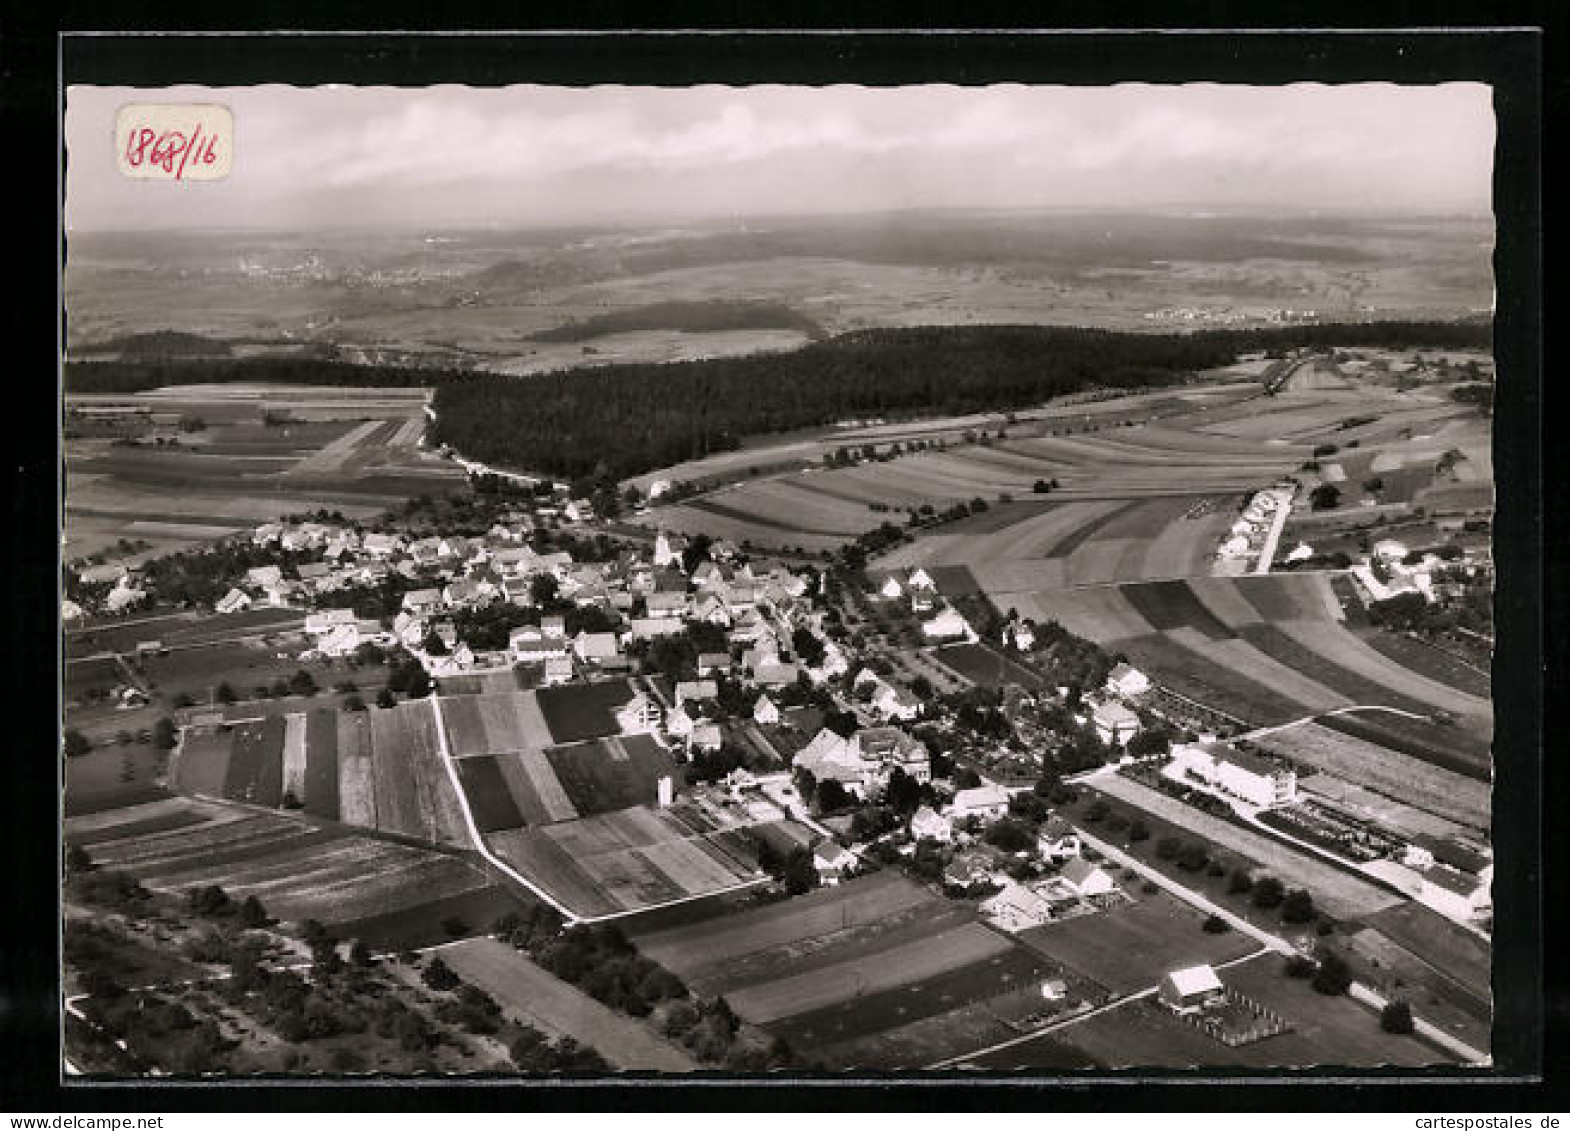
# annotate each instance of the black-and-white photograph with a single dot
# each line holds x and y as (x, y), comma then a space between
(777, 580)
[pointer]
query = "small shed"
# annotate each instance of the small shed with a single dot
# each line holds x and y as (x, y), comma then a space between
(1190, 987)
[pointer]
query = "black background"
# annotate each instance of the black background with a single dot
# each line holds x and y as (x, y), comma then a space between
(34, 56)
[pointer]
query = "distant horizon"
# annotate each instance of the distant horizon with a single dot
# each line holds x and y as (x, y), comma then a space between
(1179, 209)
(452, 158)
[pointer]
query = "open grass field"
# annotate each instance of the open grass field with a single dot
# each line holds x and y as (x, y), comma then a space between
(1431, 662)
(612, 773)
(1458, 953)
(354, 452)
(688, 950)
(296, 868)
(541, 1000)
(110, 776)
(1131, 946)
(624, 861)
(486, 790)
(1437, 997)
(1341, 894)
(576, 712)
(935, 989)
(1390, 773)
(1448, 747)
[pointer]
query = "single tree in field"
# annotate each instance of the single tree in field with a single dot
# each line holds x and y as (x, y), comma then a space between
(225, 694)
(1297, 907)
(384, 698)
(1396, 1017)
(164, 734)
(252, 913)
(1327, 496)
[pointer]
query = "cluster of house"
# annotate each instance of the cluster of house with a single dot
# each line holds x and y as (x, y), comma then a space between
(940, 620)
(1250, 532)
(652, 594)
(1108, 708)
(1077, 887)
(863, 763)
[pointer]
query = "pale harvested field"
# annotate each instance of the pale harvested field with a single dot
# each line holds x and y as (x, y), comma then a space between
(1243, 657)
(356, 777)
(1408, 780)
(1340, 894)
(294, 756)
(539, 999)
(1098, 613)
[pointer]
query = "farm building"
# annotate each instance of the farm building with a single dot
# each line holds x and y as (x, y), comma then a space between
(1255, 779)
(990, 800)
(1016, 908)
(1115, 723)
(1020, 636)
(1127, 680)
(713, 663)
(1190, 988)
(558, 669)
(422, 600)
(1086, 878)
(926, 823)
(706, 736)
(765, 712)
(891, 589)
(666, 606)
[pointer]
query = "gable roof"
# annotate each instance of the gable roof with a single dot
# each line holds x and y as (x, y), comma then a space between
(1194, 980)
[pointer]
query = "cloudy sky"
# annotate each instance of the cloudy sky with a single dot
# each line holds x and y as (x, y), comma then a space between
(454, 156)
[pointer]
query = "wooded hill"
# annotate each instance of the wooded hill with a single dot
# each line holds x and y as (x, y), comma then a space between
(622, 420)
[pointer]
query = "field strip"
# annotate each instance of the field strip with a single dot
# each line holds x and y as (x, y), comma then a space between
(558, 806)
(332, 456)
(356, 782)
(1243, 657)
(1340, 646)
(294, 756)
(544, 1001)
(913, 962)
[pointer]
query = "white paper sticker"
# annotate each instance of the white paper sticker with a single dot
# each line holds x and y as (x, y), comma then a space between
(174, 141)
